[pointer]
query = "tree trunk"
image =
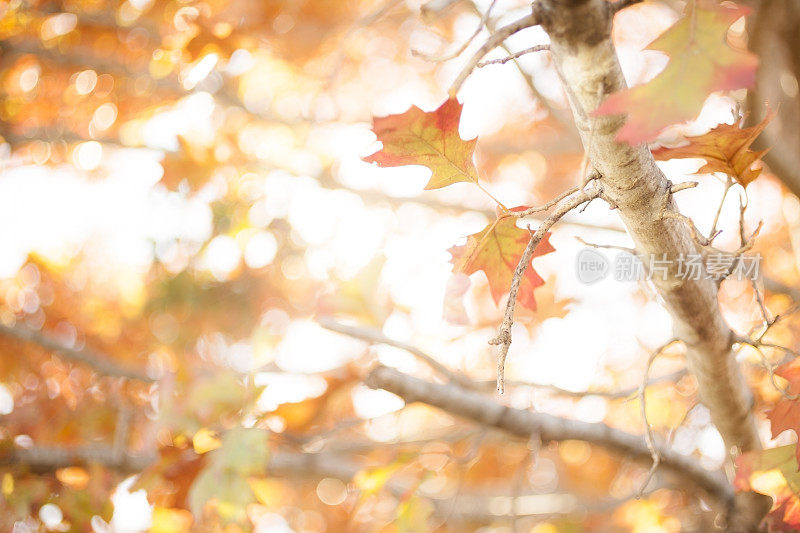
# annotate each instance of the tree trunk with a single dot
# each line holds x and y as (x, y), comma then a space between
(586, 60)
(774, 37)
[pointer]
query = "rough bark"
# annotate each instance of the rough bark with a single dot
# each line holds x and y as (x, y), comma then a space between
(586, 60)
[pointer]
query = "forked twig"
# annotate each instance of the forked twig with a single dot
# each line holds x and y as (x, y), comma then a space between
(503, 338)
(515, 55)
(460, 50)
(648, 430)
(494, 40)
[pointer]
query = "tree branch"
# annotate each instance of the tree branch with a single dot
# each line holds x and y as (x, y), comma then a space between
(585, 58)
(102, 363)
(495, 40)
(648, 430)
(503, 338)
(375, 336)
(478, 408)
(484, 18)
(311, 466)
(515, 55)
(44, 459)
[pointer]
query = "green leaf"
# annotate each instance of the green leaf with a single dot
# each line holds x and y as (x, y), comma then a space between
(223, 483)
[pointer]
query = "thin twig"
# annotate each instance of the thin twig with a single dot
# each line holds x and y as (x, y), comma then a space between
(458, 51)
(515, 55)
(561, 117)
(494, 40)
(767, 364)
(648, 430)
(548, 205)
(767, 319)
(375, 336)
(503, 338)
(631, 251)
(677, 187)
(674, 429)
(375, 197)
(742, 209)
(728, 185)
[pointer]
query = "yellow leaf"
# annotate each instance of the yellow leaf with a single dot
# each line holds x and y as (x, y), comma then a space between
(413, 514)
(267, 491)
(8, 484)
(371, 481)
(205, 440)
(171, 520)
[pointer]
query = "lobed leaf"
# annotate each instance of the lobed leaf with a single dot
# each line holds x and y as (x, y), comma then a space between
(725, 148)
(701, 62)
(430, 139)
(496, 250)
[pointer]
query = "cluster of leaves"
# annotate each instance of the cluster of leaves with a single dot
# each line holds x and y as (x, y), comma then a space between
(77, 72)
(432, 140)
(775, 471)
(696, 43)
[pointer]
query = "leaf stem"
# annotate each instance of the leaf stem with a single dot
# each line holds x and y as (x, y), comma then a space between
(498, 202)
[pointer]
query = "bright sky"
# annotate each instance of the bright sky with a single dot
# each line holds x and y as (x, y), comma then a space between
(120, 217)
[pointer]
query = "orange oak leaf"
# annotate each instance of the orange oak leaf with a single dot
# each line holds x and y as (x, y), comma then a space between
(429, 139)
(773, 472)
(786, 413)
(725, 148)
(701, 62)
(496, 250)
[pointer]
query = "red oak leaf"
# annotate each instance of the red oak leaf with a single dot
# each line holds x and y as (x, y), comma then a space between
(429, 139)
(496, 250)
(773, 472)
(726, 149)
(701, 62)
(786, 413)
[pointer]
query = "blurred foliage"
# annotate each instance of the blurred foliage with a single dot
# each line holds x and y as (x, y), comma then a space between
(242, 107)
